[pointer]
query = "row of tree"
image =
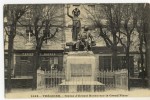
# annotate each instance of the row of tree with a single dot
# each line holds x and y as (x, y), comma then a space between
(122, 21)
(39, 17)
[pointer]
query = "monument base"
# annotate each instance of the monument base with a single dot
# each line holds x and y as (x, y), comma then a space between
(79, 86)
(80, 73)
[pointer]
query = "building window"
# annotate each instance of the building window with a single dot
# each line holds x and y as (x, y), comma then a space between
(24, 58)
(23, 66)
(29, 34)
(6, 66)
(27, 31)
(50, 63)
(6, 62)
(47, 33)
(122, 62)
(105, 63)
(28, 14)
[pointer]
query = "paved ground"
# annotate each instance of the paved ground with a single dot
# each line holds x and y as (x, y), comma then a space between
(49, 93)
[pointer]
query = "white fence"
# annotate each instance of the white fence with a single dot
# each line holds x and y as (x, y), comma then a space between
(121, 79)
(111, 79)
(114, 79)
(40, 79)
(53, 78)
(107, 78)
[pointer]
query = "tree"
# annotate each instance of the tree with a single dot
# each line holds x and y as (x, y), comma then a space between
(112, 14)
(146, 31)
(12, 13)
(121, 22)
(43, 17)
(140, 29)
(129, 24)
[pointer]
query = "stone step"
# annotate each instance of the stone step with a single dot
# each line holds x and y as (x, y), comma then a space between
(70, 87)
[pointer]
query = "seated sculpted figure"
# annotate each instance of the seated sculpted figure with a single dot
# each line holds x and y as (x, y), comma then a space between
(84, 39)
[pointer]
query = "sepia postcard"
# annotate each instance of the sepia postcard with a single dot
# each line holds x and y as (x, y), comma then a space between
(76, 50)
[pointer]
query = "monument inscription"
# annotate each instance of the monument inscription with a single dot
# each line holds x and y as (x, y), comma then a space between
(81, 70)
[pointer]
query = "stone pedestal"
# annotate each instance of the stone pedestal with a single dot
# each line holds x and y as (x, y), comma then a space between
(80, 73)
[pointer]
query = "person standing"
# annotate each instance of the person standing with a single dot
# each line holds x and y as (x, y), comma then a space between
(76, 26)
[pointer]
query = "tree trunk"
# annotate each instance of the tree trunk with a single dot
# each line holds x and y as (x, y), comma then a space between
(148, 60)
(114, 58)
(147, 34)
(127, 58)
(114, 52)
(148, 55)
(35, 67)
(142, 58)
(10, 61)
(128, 66)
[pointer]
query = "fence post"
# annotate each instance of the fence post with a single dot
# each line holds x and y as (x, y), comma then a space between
(121, 79)
(40, 79)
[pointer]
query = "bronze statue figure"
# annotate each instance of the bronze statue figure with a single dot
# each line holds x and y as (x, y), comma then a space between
(84, 39)
(76, 26)
(81, 41)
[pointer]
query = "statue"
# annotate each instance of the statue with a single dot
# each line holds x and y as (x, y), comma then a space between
(76, 26)
(85, 39)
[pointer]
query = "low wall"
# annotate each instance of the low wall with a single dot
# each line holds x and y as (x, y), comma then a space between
(20, 83)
